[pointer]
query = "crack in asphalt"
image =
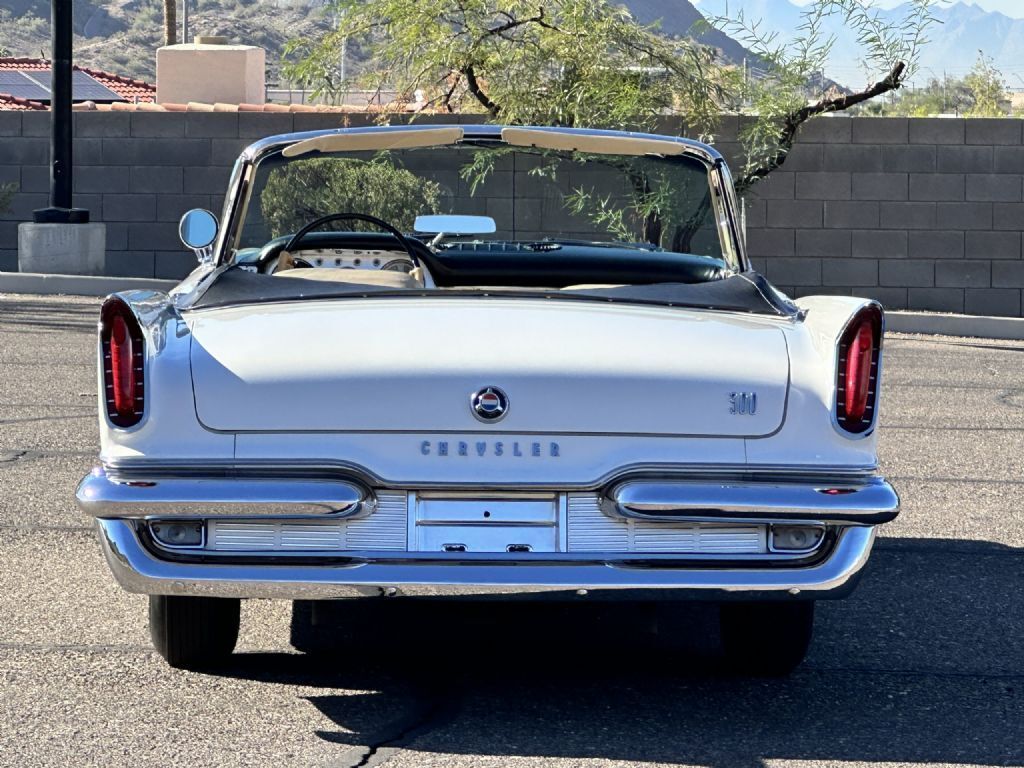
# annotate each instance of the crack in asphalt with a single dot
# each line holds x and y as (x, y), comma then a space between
(925, 428)
(48, 418)
(945, 480)
(45, 528)
(30, 454)
(431, 711)
(956, 343)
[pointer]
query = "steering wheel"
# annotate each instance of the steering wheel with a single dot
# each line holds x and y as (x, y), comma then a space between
(296, 239)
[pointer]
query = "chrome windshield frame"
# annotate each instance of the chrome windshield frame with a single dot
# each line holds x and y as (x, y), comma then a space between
(240, 191)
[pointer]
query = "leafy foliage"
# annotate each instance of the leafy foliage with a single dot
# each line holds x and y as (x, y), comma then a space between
(986, 89)
(791, 87)
(563, 62)
(303, 190)
(589, 63)
(981, 93)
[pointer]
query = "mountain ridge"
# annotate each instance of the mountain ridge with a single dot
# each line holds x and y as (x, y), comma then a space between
(953, 47)
(122, 36)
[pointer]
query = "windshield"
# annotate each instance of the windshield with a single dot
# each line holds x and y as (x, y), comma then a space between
(568, 206)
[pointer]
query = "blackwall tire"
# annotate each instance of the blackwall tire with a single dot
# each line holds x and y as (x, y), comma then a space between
(194, 632)
(766, 639)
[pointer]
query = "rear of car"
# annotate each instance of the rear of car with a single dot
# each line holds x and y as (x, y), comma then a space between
(283, 437)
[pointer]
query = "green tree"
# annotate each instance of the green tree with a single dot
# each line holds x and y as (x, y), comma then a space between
(562, 62)
(936, 97)
(792, 89)
(986, 90)
(304, 190)
(590, 63)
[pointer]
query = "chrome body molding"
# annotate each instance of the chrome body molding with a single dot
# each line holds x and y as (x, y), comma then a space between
(138, 570)
(126, 469)
(868, 503)
(102, 496)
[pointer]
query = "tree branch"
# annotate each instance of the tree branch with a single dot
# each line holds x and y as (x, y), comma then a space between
(513, 23)
(446, 100)
(893, 81)
(474, 88)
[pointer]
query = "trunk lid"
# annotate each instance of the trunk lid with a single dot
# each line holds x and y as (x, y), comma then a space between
(412, 365)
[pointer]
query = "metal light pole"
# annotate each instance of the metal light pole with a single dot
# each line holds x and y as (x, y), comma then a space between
(184, 21)
(60, 210)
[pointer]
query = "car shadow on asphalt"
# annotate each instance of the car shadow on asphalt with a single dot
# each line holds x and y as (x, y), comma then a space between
(924, 663)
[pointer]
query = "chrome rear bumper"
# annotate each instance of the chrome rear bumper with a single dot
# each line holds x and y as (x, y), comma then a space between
(869, 501)
(139, 570)
(100, 495)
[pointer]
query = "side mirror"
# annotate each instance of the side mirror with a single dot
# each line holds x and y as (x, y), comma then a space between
(198, 230)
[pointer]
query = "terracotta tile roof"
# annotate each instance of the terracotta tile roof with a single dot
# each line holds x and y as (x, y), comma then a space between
(194, 106)
(13, 103)
(141, 97)
(128, 89)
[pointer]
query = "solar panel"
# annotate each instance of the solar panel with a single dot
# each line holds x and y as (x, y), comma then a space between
(21, 86)
(35, 85)
(11, 78)
(84, 87)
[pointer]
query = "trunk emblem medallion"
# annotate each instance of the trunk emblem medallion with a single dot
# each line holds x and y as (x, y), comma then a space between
(489, 404)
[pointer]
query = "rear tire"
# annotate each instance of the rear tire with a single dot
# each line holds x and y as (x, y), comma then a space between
(766, 639)
(194, 632)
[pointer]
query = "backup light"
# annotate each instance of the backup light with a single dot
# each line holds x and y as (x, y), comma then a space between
(187, 533)
(796, 538)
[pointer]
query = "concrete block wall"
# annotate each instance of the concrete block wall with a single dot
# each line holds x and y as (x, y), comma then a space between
(922, 214)
(918, 213)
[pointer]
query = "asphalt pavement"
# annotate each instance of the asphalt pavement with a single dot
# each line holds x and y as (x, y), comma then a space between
(924, 664)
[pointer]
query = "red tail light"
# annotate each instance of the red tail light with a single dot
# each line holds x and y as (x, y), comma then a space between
(123, 349)
(857, 377)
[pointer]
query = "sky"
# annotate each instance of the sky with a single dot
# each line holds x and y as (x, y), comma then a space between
(1012, 8)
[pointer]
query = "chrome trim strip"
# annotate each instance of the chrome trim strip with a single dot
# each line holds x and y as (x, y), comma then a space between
(137, 570)
(145, 469)
(871, 503)
(239, 190)
(102, 496)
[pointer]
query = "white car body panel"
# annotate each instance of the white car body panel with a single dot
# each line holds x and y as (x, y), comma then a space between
(171, 430)
(411, 366)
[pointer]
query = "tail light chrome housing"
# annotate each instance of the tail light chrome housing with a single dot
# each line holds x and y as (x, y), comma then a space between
(123, 356)
(857, 372)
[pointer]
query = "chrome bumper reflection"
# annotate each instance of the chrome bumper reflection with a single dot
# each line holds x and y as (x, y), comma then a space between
(101, 496)
(871, 502)
(138, 570)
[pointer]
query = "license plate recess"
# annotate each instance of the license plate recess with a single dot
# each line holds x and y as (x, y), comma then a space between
(485, 523)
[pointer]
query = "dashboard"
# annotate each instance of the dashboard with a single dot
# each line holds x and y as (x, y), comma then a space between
(355, 258)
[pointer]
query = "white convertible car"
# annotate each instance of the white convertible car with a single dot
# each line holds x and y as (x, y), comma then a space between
(419, 362)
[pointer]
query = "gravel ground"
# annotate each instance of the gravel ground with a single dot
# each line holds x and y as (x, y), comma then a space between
(924, 664)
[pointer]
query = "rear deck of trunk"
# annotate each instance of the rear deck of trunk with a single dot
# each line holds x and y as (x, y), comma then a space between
(412, 365)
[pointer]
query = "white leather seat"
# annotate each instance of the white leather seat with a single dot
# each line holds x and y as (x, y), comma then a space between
(356, 276)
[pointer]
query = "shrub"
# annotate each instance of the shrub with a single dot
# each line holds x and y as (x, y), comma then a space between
(301, 191)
